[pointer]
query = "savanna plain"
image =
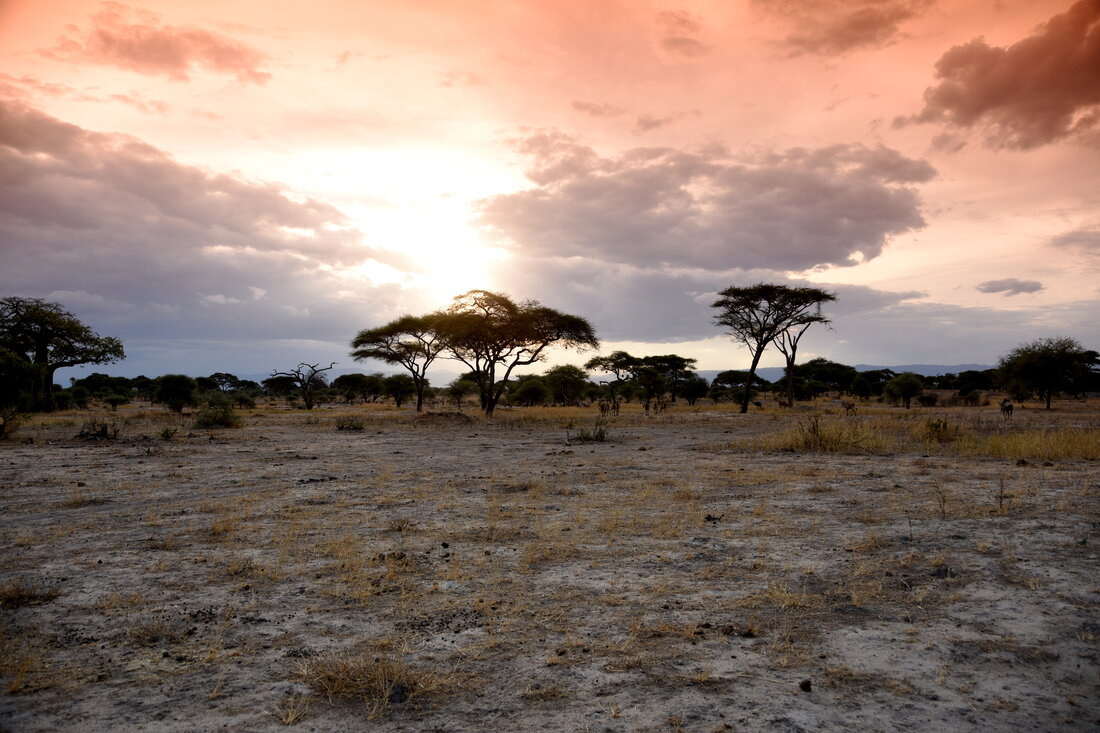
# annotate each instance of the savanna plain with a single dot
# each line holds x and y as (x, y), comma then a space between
(365, 568)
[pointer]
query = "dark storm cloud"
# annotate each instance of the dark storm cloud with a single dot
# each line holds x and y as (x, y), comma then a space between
(156, 248)
(147, 47)
(831, 27)
(677, 31)
(788, 210)
(1040, 90)
(1010, 286)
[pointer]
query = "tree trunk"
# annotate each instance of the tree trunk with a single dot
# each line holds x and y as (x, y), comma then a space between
(748, 380)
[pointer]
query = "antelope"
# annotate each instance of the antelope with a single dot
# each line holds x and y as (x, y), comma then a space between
(849, 408)
(605, 407)
(783, 403)
(1006, 409)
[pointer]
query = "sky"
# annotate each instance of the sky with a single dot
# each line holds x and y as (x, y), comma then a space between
(239, 186)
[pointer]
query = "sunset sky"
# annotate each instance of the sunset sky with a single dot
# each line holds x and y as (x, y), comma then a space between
(241, 185)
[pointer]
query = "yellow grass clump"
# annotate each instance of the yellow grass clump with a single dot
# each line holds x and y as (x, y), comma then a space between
(815, 435)
(1042, 445)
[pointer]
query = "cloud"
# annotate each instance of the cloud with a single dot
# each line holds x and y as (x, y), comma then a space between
(645, 123)
(597, 109)
(677, 31)
(784, 210)
(1040, 90)
(1010, 286)
(150, 248)
(833, 27)
(1085, 240)
(145, 46)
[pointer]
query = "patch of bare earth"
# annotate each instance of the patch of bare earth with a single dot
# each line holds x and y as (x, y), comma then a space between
(444, 573)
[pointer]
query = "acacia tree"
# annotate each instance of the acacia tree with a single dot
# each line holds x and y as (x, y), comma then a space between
(1047, 366)
(621, 364)
(758, 314)
(413, 342)
(307, 379)
(491, 334)
(787, 341)
(50, 338)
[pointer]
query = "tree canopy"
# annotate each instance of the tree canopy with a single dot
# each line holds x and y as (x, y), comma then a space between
(492, 335)
(50, 338)
(412, 342)
(1048, 366)
(759, 314)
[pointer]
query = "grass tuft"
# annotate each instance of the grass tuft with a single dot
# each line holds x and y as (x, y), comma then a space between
(376, 682)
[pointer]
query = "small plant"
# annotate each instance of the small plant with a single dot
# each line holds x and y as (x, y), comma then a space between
(18, 593)
(598, 434)
(168, 433)
(937, 430)
(98, 430)
(10, 419)
(377, 682)
(349, 423)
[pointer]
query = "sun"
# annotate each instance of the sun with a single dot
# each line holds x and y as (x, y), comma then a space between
(435, 247)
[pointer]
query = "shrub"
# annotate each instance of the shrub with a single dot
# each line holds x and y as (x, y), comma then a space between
(349, 423)
(598, 434)
(218, 412)
(818, 436)
(10, 419)
(98, 430)
(937, 430)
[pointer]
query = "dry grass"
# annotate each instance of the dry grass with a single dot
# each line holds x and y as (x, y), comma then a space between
(375, 682)
(659, 571)
(18, 593)
(1039, 445)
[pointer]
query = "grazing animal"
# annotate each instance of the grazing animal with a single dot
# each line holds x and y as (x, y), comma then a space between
(614, 407)
(783, 403)
(849, 408)
(758, 404)
(1006, 409)
(605, 407)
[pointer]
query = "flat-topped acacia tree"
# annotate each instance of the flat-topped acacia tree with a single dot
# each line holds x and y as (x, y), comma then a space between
(412, 342)
(492, 335)
(757, 315)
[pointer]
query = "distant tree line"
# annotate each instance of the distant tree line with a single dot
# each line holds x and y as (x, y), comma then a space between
(495, 337)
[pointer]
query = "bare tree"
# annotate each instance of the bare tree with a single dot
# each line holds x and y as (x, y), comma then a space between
(308, 379)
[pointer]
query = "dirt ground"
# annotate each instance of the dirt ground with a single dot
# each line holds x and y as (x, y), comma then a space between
(690, 571)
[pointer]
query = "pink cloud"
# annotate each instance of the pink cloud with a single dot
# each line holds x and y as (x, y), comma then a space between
(1040, 90)
(150, 48)
(839, 26)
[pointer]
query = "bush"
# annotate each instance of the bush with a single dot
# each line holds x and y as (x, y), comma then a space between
(349, 423)
(218, 412)
(819, 436)
(598, 434)
(98, 430)
(937, 430)
(10, 419)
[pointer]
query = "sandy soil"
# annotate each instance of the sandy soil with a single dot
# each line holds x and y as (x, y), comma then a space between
(445, 574)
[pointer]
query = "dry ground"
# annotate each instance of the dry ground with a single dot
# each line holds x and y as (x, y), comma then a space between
(896, 570)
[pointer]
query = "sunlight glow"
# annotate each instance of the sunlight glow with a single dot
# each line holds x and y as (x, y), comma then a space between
(441, 249)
